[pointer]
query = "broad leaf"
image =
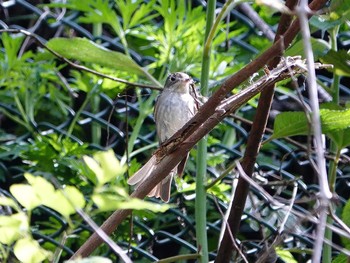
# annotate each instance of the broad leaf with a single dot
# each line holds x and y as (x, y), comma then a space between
(105, 166)
(345, 216)
(335, 124)
(111, 202)
(25, 195)
(319, 48)
(87, 51)
(340, 60)
(12, 227)
(290, 124)
(285, 255)
(28, 250)
(95, 259)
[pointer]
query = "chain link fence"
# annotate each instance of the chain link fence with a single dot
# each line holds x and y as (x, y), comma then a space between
(283, 169)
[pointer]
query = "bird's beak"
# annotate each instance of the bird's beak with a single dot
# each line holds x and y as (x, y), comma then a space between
(188, 80)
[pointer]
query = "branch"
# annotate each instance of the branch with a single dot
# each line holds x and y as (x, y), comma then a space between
(256, 19)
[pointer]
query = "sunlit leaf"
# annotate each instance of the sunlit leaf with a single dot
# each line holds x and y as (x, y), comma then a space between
(87, 51)
(285, 255)
(6, 201)
(12, 227)
(111, 202)
(62, 202)
(105, 166)
(110, 165)
(74, 196)
(94, 167)
(58, 202)
(28, 250)
(90, 260)
(25, 195)
(41, 186)
(334, 123)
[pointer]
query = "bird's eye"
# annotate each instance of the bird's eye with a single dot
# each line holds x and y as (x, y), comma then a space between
(173, 78)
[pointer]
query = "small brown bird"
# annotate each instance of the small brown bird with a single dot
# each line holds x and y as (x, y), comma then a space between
(175, 106)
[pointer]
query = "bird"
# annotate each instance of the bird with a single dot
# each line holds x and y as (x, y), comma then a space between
(174, 107)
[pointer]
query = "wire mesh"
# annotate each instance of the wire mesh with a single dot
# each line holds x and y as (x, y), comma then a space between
(174, 233)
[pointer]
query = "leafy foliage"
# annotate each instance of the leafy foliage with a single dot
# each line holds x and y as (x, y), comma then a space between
(335, 124)
(57, 123)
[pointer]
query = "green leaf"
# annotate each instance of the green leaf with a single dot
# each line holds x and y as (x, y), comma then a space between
(94, 167)
(295, 123)
(340, 60)
(341, 258)
(346, 219)
(340, 137)
(319, 48)
(74, 196)
(324, 22)
(290, 124)
(105, 166)
(285, 255)
(335, 119)
(219, 190)
(58, 202)
(12, 227)
(339, 13)
(90, 260)
(111, 202)
(25, 195)
(135, 12)
(138, 204)
(87, 51)
(6, 201)
(28, 250)
(63, 202)
(42, 188)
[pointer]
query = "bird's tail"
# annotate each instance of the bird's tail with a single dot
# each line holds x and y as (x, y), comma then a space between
(141, 175)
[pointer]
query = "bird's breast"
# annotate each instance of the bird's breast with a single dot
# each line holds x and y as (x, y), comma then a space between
(172, 112)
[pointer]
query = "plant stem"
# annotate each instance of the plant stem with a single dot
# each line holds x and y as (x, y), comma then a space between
(95, 102)
(145, 109)
(22, 112)
(201, 198)
(332, 172)
(224, 10)
(77, 114)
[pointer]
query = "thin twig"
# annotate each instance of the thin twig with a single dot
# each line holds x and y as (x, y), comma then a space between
(231, 236)
(118, 250)
(256, 19)
(104, 236)
(325, 194)
(290, 207)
